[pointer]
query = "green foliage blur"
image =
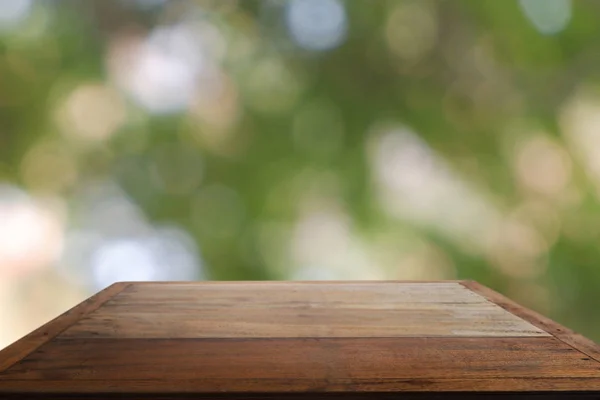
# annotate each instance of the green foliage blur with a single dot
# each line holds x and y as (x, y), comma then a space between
(419, 140)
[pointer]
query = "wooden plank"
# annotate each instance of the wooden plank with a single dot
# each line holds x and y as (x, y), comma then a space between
(302, 365)
(40, 336)
(562, 333)
(560, 395)
(436, 389)
(286, 309)
(266, 294)
(311, 340)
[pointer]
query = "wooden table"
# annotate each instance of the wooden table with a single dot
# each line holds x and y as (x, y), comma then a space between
(300, 340)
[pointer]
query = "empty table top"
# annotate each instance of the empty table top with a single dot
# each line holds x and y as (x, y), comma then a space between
(292, 340)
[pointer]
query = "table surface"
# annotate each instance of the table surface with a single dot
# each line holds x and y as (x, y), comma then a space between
(300, 340)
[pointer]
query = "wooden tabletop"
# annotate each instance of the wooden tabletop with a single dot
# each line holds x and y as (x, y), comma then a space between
(300, 340)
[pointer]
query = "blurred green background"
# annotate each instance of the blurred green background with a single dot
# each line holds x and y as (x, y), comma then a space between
(299, 140)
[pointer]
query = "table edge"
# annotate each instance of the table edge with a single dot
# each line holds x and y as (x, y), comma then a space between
(560, 332)
(18, 350)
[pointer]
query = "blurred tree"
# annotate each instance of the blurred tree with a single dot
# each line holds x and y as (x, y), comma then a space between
(309, 139)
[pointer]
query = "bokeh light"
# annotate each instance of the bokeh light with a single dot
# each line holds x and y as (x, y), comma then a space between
(411, 30)
(92, 112)
(317, 24)
(163, 256)
(163, 71)
(30, 235)
(112, 241)
(415, 184)
(300, 139)
(13, 12)
(548, 16)
(543, 166)
(324, 247)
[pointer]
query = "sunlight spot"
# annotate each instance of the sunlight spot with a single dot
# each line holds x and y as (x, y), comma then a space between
(324, 244)
(13, 12)
(415, 184)
(543, 166)
(31, 235)
(548, 16)
(92, 112)
(317, 24)
(110, 240)
(164, 71)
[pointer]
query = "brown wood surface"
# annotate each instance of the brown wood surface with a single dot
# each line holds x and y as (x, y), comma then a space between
(245, 365)
(25, 345)
(547, 395)
(290, 340)
(284, 309)
(562, 333)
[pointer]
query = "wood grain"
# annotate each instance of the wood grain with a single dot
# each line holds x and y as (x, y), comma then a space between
(531, 395)
(297, 341)
(562, 333)
(301, 365)
(284, 309)
(19, 349)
